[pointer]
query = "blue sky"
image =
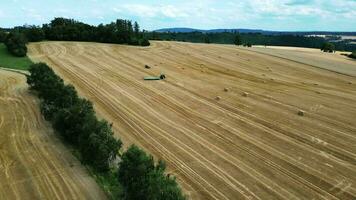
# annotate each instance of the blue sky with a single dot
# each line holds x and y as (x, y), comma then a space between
(288, 15)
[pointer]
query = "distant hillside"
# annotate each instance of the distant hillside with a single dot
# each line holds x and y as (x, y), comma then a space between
(190, 30)
(265, 32)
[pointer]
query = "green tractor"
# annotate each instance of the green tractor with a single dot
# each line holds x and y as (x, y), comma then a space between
(152, 78)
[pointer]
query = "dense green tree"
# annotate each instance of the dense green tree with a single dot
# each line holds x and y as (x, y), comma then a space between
(2, 36)
(353, 55)
(102, 148)
(120, 32)
(144, 180)
(133, 172)
(75, 122)
(144, 42)
(238, 40)
(328, 47)
(16, 44)
(206, 39)
(32, 33)
(163, 187)
(136, 29)
(74, 118)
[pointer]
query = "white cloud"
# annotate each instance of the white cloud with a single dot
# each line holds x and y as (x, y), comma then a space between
(265, 14)
(32, 14)
(151, 11)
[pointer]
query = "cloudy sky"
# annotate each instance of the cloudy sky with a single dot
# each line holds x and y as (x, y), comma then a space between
(288, 15)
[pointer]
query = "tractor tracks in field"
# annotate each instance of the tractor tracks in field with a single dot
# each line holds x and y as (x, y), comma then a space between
(245, 155)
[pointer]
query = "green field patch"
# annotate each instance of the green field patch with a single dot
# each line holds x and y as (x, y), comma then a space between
(9, 61)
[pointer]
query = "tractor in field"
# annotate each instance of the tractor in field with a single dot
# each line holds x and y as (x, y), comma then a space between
(152, 78)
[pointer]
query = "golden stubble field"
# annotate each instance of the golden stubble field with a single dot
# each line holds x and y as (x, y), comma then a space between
(250, 143)
(34, 164)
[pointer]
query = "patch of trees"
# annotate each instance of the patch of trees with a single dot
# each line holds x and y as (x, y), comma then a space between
(137, 176)
(328, 47)
(238, 40)
(247, 44)
(119, 32)
(3, 35)
(74, 118)
(143, 179)
(353, 55)
(62, 29)
(252, 38)
(16, 44)
(32, 33)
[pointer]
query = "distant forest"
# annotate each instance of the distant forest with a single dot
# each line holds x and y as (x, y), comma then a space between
(62, 29)
(128, 32)
(250, 38)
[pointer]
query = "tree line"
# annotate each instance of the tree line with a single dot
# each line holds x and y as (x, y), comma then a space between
(15, 43)
(62, 29)
(74, 119)
(250, 38)
(353, 55)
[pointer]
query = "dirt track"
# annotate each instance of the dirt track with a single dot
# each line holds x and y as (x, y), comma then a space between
(254, 147)
(33, 162)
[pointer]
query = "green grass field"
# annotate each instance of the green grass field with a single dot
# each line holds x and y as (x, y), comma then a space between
(9, 61)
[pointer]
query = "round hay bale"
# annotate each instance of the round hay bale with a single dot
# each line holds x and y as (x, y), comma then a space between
(301, 112)
(350, 83)
(218, 98)
(147, 67)
(226, 89)
(318, 92)
(245, 94)
(263, 74)
(316, 84)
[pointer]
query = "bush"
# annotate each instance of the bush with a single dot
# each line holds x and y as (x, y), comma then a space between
(353, 55)
(2, 36)
(74, 118)
(144, 42)
(16, 44)
(247, 44)
(34, 34)
(134, 42)
(328, 47)
(142, 179)
(238, 40)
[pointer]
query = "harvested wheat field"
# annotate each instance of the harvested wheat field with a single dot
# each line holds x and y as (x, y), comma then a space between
(329, 61)
(231, 123)
(33, 162)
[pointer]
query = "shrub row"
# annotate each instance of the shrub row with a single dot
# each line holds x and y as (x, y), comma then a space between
(63, 29)
(353, 55)
(16, 44)
(141, 178)
(74, 118)
(328, 47)
(137, 176)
